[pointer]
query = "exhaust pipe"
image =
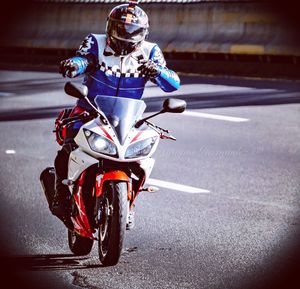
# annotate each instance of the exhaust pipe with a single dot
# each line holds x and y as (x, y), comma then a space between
(47, 179)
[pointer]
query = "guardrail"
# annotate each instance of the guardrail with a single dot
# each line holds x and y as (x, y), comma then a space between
(226, 30)
(219, 27)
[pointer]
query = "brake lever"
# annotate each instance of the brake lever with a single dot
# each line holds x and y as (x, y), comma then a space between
(157, 127)
(160, 131)
(163, 136)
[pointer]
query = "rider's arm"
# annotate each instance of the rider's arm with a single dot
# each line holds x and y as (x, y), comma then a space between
(167, 79)
(85, 59)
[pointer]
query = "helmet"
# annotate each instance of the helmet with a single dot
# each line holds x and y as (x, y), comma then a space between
(126, 27)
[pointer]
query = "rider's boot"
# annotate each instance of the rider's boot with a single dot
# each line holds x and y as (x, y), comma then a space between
(62, 193)
(60, 204)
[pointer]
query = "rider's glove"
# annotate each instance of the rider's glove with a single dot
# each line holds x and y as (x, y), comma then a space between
(68, 68)
(149, 69)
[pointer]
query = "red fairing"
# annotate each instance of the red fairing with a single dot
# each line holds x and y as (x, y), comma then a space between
(80, 221)
(138, 192)
(61, 130)
(106, 134)
(110, 176)
(60, 135)
(77, 110)
(137, 136)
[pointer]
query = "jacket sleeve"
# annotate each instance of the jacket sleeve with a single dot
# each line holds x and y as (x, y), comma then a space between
(167, 80)
(86, 55)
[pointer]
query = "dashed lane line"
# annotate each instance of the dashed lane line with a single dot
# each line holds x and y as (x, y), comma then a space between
(176, 187)
(215, 116)
(160, 183)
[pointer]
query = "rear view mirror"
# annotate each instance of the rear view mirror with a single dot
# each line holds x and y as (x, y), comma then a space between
(174, 105)
(76, 90)
(169, 105)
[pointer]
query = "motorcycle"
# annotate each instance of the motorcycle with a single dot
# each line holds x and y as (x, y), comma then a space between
(107, 170)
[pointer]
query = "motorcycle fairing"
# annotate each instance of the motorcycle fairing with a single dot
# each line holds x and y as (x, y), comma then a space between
(116, 175)
(79, 161)
(80, 220)
(121, 113)
(107, 131)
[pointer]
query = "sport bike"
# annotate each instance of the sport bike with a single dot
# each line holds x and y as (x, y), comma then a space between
(107, 169)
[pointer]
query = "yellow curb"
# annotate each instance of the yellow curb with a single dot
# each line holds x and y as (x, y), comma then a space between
(247, 49)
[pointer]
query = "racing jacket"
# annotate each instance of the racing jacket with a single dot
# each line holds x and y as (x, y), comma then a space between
(119, 75)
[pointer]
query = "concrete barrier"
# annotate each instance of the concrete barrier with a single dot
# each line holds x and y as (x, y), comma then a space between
(208, 27)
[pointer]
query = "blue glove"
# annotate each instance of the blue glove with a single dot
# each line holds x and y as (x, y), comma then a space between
(68, 68)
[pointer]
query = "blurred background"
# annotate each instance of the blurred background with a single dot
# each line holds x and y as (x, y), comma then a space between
(245, 37)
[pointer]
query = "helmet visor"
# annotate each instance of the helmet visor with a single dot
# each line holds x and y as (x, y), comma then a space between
(126, 32)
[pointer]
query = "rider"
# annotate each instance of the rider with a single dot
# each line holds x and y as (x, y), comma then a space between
(118, 63)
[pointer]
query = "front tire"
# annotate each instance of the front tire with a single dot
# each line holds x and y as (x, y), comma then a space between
(80, 246)
(113, 224)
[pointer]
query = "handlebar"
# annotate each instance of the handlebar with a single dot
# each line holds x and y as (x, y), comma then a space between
(84, 116)
(161, 131)
(81, 116)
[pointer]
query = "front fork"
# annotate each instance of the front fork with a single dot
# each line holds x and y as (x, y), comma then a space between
(101, 180)
(78, 163)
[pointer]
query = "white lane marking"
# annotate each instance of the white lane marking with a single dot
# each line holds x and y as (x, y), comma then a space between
(176, 187)
(215, 116)
(3, 93)
(215, 88)
(10, 152)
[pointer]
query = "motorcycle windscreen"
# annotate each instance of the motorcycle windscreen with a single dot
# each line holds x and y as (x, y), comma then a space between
(121, 112)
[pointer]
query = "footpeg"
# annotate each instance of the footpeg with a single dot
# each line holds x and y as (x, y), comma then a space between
(68, 182)
(151, 189)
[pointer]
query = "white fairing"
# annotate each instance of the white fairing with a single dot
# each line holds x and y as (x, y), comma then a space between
(78, 162)
(147, 165)
(96, 127)
(120, 131)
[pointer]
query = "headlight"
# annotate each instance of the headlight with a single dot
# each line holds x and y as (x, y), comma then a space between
(141, 148)
(100, 144)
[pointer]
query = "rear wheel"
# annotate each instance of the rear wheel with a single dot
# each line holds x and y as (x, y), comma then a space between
(79, 245)
(113, 223)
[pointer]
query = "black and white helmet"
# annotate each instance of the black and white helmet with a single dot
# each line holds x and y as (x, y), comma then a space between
(127, 26)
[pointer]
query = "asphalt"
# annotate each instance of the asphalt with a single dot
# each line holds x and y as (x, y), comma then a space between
(243, 233)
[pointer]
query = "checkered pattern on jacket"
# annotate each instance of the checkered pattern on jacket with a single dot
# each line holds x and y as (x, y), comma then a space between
(117, 72)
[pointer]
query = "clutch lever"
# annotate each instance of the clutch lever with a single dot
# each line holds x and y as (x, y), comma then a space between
(164, 136)
(82, 115)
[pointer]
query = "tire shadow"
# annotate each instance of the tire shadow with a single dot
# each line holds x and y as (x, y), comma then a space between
(47, 262)
(32, 271)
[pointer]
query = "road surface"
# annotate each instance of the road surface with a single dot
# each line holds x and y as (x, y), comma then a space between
(226, 215)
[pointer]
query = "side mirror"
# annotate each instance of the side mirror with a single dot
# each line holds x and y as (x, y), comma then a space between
(174, 105)
(76, 90)
(169, 105)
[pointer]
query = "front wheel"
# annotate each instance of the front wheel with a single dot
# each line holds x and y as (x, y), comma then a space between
(113, 223)
(79, 245)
